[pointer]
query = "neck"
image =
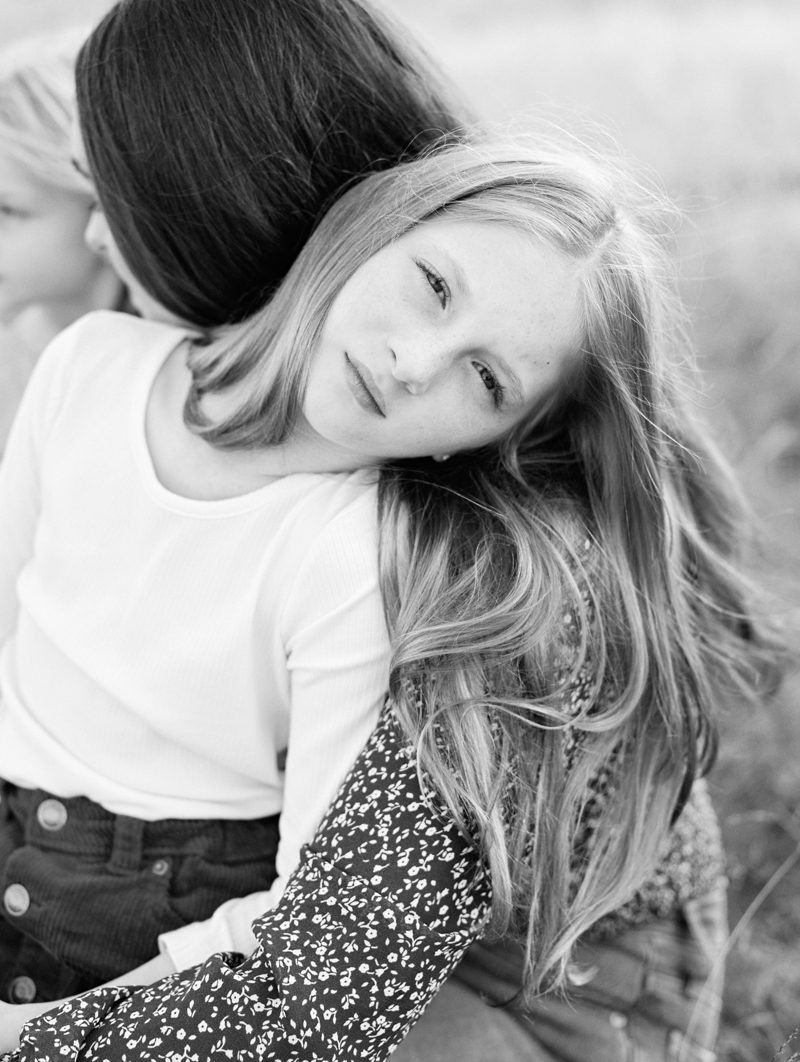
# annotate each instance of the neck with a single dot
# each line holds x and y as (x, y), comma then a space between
(189, 466)
(305, 451)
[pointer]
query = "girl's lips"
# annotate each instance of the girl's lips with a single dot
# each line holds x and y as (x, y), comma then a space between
(363, 387)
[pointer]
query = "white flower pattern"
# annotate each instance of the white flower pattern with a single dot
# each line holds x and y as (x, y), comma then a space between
(384, 904)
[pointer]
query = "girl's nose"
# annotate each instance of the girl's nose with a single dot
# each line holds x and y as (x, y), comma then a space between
(96, 234)
(418, 365)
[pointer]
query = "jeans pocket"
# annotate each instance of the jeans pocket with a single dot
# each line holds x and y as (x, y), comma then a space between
(99, 923)
(201, 884)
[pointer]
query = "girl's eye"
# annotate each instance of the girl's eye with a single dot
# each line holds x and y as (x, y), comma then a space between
(8, 211)
(491, 383)
(437, 283)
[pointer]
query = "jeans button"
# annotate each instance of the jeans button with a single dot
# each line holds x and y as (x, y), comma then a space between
(16, 900)
(51, 814)
(22, 990)
(160, 867)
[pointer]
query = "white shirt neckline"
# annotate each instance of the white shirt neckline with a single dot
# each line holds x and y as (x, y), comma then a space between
(153, 487)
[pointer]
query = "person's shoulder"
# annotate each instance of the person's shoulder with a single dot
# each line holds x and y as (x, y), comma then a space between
(357, 490)
(345, 503)
(106, 343)
(107, 330)
(329, 494)
(97, 357)
(334, 524)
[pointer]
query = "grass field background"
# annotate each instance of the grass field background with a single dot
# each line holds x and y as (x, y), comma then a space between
(706, 94)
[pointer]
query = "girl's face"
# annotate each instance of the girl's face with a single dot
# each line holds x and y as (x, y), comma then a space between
(43, 257)
(100, 240)
(442, 341)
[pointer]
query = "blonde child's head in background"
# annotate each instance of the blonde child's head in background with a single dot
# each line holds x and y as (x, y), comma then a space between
(45, 204)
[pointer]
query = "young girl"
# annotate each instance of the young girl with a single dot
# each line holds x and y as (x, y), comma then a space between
(172, 621)
(48, 276)
(559, 570)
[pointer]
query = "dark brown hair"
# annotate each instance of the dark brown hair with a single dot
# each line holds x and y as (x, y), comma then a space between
(219, 130)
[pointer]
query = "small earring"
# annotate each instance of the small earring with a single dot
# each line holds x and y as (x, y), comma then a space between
(441, 457)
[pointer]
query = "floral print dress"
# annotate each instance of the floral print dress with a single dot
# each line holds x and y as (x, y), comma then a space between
(385, 902)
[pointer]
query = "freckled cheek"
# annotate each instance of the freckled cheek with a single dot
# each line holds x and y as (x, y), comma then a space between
(348, 318)
(453, 424)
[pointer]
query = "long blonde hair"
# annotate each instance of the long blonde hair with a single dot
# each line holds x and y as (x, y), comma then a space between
(568, 601)
(37, 105)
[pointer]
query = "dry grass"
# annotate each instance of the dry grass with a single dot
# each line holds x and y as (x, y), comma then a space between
(748, 330)
(707, 94)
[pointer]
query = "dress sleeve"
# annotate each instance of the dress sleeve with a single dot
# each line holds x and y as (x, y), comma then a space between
(384, 903)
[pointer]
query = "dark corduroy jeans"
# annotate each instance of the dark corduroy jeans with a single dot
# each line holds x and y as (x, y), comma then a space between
(86, 893)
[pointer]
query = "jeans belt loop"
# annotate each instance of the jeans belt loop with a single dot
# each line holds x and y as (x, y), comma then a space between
(126, 850)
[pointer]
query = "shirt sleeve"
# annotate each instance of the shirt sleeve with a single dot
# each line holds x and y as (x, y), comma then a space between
(337, 652)
(20, 472)
(382, 906)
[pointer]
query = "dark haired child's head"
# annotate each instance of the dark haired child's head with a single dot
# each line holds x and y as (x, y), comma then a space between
(217, 131)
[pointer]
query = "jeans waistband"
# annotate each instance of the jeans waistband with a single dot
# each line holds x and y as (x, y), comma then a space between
(78, 825)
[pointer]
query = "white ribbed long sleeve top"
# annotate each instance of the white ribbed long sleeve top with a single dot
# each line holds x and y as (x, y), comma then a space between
(159, 653)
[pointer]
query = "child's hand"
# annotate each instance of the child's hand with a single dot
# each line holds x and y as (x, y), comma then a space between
(13, 1016)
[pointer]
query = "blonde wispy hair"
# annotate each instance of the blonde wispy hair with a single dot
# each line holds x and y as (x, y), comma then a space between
(37, 104)
(565, 602)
